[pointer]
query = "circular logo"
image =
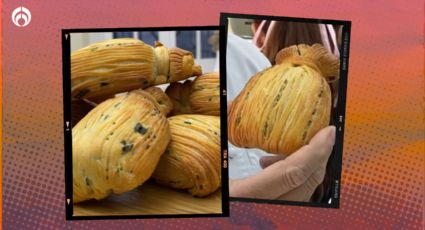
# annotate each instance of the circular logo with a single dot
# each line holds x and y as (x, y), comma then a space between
(21, 16)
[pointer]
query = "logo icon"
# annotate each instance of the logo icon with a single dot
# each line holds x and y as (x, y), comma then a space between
(21, 16)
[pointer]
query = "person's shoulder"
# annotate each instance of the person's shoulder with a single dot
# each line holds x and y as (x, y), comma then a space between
(245, 50)
(236, 41)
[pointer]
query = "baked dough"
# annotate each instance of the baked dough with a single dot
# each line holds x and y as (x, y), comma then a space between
(200, 96)
(282, 107)
(179, 93)
(192, 159)
(205, 94)
(117, 146)
(164, 102)
(103, 69)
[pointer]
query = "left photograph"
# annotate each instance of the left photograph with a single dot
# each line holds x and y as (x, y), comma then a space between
(142, 123)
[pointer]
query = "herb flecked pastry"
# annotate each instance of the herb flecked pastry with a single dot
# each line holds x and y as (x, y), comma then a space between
(193, 158)
(179, 93)
(200, 96)
(120, 65)
(164, 102)
(205, 94)
(117, 145)
(281, 108)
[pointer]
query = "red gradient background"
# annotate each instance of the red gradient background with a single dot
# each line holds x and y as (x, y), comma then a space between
(383, 165)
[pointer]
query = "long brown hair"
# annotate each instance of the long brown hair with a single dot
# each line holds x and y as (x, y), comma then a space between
(276, 35)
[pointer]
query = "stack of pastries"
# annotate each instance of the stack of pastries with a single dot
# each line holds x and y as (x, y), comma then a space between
(126, 130)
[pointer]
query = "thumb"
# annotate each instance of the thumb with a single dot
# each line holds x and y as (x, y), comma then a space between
(290, 173)
(269, 160)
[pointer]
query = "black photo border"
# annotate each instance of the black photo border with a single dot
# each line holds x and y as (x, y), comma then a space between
(66, 68)
(339, 116)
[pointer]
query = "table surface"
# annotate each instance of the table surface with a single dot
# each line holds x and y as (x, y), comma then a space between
(151, 199)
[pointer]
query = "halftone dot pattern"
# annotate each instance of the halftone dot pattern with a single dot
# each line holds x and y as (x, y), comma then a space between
(382, 182)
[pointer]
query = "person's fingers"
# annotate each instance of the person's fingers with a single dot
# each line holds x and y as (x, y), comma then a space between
(268, 184)
(286, 175)
(268, 160)
(306, 190)
(316, 153)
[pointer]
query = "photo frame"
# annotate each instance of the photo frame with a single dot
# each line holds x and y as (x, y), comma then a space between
(337, 116)
(92, 210)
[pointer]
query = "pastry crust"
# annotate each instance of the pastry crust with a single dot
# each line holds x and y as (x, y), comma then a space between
(163, 101)
(179, 93)
(315, 56)
(205, 94)
(192, 159)
(282, 107)
(119, 65)
(117, 146)
(200, 96)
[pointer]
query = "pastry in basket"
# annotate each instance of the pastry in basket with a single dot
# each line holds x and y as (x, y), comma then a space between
(205, 94)
(282, 107)
(123, 64)
(117, 145)
(192, 160)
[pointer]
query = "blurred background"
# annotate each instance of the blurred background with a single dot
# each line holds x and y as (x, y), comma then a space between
(202, 43)
(241, 27)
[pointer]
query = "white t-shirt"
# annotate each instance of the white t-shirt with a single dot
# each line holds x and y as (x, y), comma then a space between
(244, 60)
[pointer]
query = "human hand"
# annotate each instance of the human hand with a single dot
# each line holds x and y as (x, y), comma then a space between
(293, 178)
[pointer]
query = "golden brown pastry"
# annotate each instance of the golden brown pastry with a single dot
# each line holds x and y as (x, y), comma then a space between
(192, 160)
(179, 93)
(164, 102)
(282, 107)
(120, 65)
(117, 146)
(201, 96)
(315, 56)
(205, 94)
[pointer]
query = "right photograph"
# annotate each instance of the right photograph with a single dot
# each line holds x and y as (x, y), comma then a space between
(286, 91)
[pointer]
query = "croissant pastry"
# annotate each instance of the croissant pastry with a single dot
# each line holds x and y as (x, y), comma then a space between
(192, 159)
(179, 93)
(163, 101)
(117, 146)
(81, 107)
(201, 96)
(123, 64)
(205, 94)
(283, 107)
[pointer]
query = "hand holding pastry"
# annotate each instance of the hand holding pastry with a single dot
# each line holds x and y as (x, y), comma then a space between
(293, 178)
(282, 107)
